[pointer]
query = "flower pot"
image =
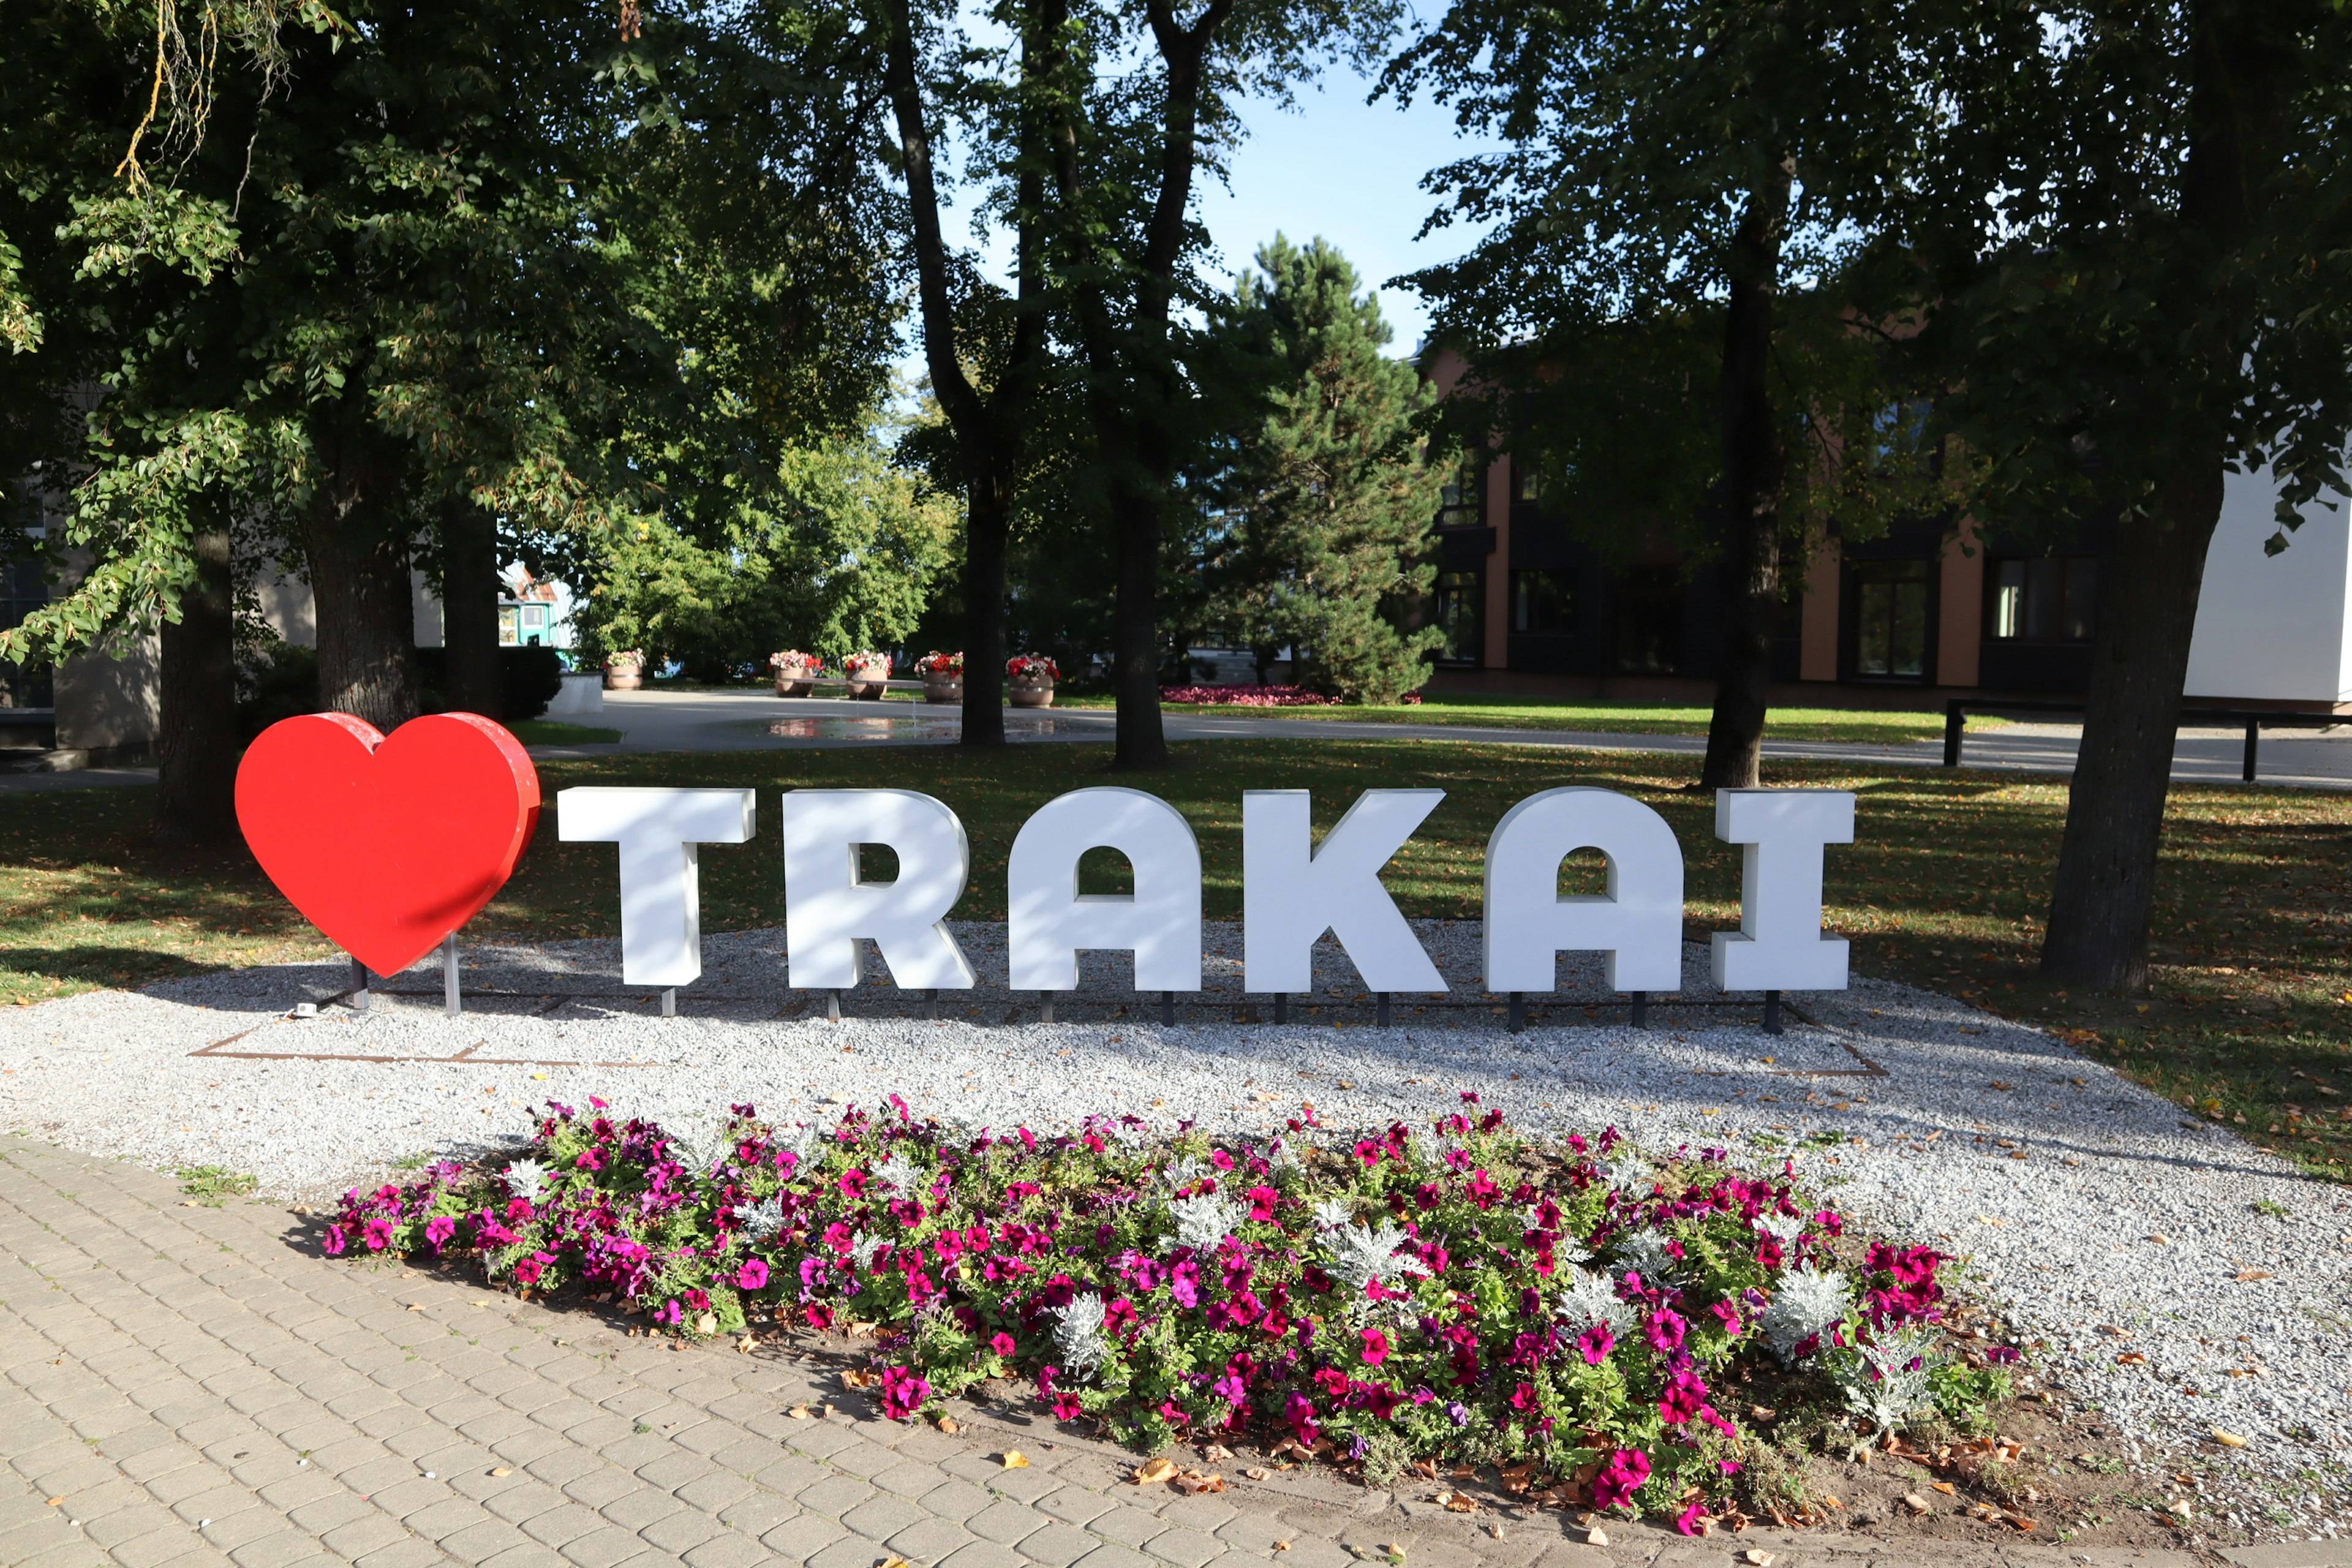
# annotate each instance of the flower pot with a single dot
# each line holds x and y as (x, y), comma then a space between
(946, 688)
(1029, 691)
(795, 680)
(624, 679)
(867, 690)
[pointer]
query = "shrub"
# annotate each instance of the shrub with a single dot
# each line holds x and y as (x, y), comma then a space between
(1571, 1313)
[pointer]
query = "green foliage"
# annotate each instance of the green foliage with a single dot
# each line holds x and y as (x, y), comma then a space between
(1653, 155)
(1324, 494)
(834, 551)
(211, 1186)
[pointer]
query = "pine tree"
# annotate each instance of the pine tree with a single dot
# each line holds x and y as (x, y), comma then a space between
(1327, 497)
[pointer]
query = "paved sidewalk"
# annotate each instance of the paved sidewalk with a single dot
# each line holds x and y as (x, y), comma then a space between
(188, 1387)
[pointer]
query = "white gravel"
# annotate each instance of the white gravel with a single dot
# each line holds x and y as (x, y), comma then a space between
(2102, 1222)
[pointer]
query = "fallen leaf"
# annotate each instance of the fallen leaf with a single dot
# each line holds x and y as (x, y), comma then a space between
(2131, 1358)
(2228, 1439)
(503, 1470)
(1917, 1503)
(801, 1412)
(894, 1562)
(417, 1306)
(1596, 1536)
(857, 1377)
(951, 1426)
(2246, 1274)
(1258, 1473)
(1193, 1483)
(1456, 1502)
(1014, 1460)
(55, 1502)
(707, 1323)
(1154, 1470)
(746, 1345)
(1946, 1488)
(1282, 1546)
(1216, 1453)
(1761, 1558)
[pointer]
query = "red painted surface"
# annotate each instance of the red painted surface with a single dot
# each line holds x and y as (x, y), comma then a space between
(387, 845)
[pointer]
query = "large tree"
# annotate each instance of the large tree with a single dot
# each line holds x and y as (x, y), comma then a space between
(1318, 476)
(2137, 232)
(1689, 166)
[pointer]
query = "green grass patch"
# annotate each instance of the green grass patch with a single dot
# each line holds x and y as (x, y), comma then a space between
(1482, 711)
(555, 733)
(213, 1186)
(2249, 1021)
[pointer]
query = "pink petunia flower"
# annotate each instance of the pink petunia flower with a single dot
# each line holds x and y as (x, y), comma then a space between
(1621, 1477)
(1376, 1347)
(753, 1276)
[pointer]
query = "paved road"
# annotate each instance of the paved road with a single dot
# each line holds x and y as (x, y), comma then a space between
(655, 722)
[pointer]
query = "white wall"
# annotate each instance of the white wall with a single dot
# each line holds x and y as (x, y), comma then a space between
(2273, 626)
(293, 614)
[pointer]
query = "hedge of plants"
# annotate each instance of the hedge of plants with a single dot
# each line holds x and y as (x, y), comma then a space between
(1577, 1313)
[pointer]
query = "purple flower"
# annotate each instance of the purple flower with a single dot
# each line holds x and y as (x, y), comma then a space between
(438, 1230)
(903, 1393)
(1621, 1477)
(753, 1276)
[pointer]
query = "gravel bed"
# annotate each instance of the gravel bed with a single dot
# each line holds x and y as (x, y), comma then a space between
(2102, 1222)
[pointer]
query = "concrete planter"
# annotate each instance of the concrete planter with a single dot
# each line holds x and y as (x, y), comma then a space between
(942, 687)
(1029, 691)
(795, 680)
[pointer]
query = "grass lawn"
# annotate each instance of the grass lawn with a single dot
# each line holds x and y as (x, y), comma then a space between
(1871, 726)
(2250, 1021)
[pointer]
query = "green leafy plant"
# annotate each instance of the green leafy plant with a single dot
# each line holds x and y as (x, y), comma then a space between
(211, 1185)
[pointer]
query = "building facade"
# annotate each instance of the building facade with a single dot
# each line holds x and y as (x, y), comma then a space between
(1930, 611)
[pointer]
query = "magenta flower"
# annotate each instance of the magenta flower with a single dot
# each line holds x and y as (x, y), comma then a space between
(1596, 1343)
(1620, 1478)
(1003, 1345)
(1694, 1521)
(1667, 1331)
(903, 1393)
(378, 1234)
(1685, 1398)
(753, 1276)
(337, 1238)
(1376, 1347)
(438, 1230)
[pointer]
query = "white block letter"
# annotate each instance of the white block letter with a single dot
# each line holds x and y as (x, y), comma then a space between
(661, 895)
(1292, 892)
(827, 908)
(1639, 922)
(1779, 945)
(1049, 921)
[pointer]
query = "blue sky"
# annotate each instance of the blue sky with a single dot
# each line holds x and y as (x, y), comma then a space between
(1347, 171)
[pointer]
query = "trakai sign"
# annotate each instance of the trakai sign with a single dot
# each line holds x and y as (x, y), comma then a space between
(1293, 890)
(390, 844)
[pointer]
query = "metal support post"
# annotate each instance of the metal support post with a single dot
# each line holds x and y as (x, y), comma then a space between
(1516, 1018)
(360, 980)
(1045, 1006)
(833, 1007)
(1168, 1009)
(2253, 743)
(1384, 1010)
(453, 1000)
(1641, 1009)
(1771, 1012)
(669, 1002)
(1956, 719)
(1282, 1007)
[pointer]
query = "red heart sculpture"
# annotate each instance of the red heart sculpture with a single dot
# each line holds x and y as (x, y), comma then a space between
(387, 846)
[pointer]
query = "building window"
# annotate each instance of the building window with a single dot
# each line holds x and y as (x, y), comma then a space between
(1453, 610)
(1890, 634)
(1457, 499)
(1526, 482)
(1646, 621)
(1543, 601)
(510, 625)
(23, 590)
(2049, 598)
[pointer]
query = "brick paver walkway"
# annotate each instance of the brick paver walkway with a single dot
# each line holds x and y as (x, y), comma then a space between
(190, 1386)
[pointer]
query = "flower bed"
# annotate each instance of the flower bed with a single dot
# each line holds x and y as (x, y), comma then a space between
(1245, 696)
(1577, 1315)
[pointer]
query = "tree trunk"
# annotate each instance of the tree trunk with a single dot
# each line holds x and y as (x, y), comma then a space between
(469, 609)
(1752, 478)
(1142, 741)
(984, 652)
(2104, 898)
(367, 609)
(195, 794)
